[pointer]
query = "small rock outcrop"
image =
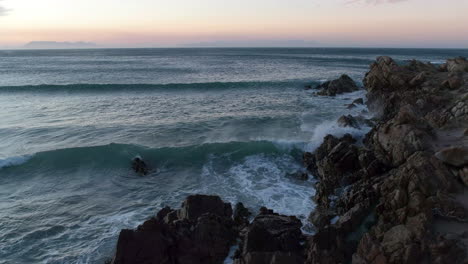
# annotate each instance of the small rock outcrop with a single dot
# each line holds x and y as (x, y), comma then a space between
(344, 84)
(271, 238)
(202, 231)
(139, 166)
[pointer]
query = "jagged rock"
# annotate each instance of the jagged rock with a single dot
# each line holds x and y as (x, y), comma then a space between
(139, 166)
(353, 121)
(463, 173)
(348, 121)
(455, 156)
(344, 84)
(459, 64)
(358, 101)
(398, 178)
(271, 239)
(351, 106)
(301, 176)
(241, 215)
(202, 231)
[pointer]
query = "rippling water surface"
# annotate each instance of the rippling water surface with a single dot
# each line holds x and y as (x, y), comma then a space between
(231, 122)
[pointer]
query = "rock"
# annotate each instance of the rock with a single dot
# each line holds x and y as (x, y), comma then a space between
(196, 205)
(321, 217)
(463, 174)
(459, 64)
(202, 231)
(271, 238)
(301, 176)
(351, 106)
(358, 101)
(348, 121)
(453, 83)
(139, 166)
(391, 192)
(241, 215)
(455, 156)
(344, 84)
(353, 121)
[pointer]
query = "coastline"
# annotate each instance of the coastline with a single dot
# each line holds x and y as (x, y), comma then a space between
(393, 199)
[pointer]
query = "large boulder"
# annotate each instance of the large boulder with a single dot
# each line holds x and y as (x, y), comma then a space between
(202, 231)
(455, 156)
(344, 84)
(271, 239)
(459, 64)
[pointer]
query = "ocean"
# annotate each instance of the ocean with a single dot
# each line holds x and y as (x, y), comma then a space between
(232, 122)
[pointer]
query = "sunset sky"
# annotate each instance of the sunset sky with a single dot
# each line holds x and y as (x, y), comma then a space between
(155, 23)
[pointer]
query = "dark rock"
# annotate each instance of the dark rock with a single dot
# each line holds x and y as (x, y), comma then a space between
(348, 121)
(358, 101)
(272, 238)
(455, 156)
(301, 176)
(459, 64)
(351, 106)
(344, 84)
(196, 205)
(202, 231)
(241, 215)
(139, 166)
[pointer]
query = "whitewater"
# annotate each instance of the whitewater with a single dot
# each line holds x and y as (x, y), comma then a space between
(229, 122)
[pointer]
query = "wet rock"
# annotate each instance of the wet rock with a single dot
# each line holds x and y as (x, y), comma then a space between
(358, 101)
(344, 84)
(455, 156)
(241, 215)
(301, 176)
(351, 106)
(139, 166)
(348, 121)
(271, 238)
(202, 231)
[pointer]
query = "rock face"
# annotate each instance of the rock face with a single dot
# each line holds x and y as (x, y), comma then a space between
(455, 156)
(271, 239)
(382, 202)
(344, 84)
(202, 231)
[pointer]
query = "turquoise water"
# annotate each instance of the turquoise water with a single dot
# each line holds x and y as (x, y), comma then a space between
(232, 122)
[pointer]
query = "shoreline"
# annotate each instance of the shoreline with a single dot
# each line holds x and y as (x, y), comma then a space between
(399, 197)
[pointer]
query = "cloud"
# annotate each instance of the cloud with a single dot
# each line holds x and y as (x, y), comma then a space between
(373, 2)
(3, 10)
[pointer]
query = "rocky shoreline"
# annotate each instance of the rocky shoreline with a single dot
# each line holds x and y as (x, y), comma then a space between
(399, 196)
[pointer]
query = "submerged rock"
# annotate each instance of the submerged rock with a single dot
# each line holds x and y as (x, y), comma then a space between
(139, 166)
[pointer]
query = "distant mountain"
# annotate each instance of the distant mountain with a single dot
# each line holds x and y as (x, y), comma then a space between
(59, 45)
(255, 43)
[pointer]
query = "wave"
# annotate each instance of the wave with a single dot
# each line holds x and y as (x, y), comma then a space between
(14, 161)
(120, 155)
(85, 87)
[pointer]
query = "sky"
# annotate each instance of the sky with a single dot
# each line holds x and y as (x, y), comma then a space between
(168, 23)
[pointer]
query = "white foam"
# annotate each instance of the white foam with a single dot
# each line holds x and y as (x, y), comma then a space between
(332, 128)
(14, 161)
(261, 180)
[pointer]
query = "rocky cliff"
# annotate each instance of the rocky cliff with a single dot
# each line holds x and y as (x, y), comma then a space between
(401, 196)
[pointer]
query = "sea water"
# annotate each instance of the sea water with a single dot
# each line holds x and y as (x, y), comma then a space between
(228, 122)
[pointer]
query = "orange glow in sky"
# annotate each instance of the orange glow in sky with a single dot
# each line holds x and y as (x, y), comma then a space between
(153, 23)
